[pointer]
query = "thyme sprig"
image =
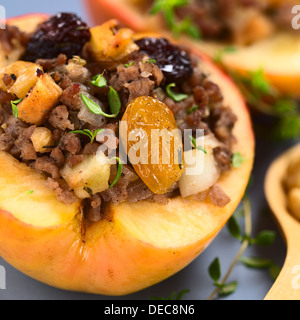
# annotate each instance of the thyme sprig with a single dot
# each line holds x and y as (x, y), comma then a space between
(91, 134)
(264, 238)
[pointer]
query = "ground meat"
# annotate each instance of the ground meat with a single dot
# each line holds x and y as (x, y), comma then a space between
(5, 97)
(138, 88)
(93, 212)
(47, 165)
(160, 198)
(201, 98)
(138, 191)
(6, 141)
(224, 120)
(25, 146)
(8, 80)
(71, 143)
(151, 70)
(91, 148)
(64, 195)
(58, 157)
(223, 157)
(218, 197)
(15, 126)
(214, 17)
(59, 118)
(138, 76)
(71, 97)
(213, 92)
(120, 192)
(138, 79)
(74, 160)
(49, 64)
(64, 81)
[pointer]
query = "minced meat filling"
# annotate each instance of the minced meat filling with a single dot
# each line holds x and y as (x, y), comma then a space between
(238, 21)
(137, 75)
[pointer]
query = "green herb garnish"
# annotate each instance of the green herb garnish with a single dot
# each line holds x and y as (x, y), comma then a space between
(262, 96)
(219, 55)
(261, 263)
(29, 191)
(113, 98)
(114, 101)
(173, 295)
(14, 105)
(194, 143)
(214, 271)
(151, 60)
(99, 81)
(128, 64)
(177, 97)
(263, 238)
(168, 8)
(119, 172)
(95, 108)
(89, 133)
(237, 160)
(194, 108)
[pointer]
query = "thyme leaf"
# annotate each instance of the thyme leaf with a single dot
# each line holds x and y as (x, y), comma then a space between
(14, 106)
(237, 160)
(177, 97)
(95, 108)
(119, 172)
(194, 143)
(99, 81)
(89, 133)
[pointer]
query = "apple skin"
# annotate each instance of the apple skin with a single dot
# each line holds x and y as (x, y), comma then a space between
(130, 249)
(286, 82)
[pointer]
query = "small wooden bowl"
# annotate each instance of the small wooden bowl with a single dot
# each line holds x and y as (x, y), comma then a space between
(287, 285)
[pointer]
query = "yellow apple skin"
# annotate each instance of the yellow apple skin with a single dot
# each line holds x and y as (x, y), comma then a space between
(286, 79)
(136, 246)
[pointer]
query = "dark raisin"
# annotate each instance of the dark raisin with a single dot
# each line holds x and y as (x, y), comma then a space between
(63, 33)
(174, 62)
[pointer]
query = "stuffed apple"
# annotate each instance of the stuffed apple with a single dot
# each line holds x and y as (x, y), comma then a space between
(261, 32)
(85, 202)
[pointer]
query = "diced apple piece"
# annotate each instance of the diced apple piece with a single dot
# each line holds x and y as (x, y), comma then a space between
(88, 177)
(26, 77)
(109, 44)
(40, 100)
(42, 137)
(200, 174)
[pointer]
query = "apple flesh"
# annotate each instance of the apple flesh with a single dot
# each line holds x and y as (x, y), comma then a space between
(136, 245)
(278, 55)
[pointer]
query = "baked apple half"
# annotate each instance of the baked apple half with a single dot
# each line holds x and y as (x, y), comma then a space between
(261, 32)
(91, 198)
